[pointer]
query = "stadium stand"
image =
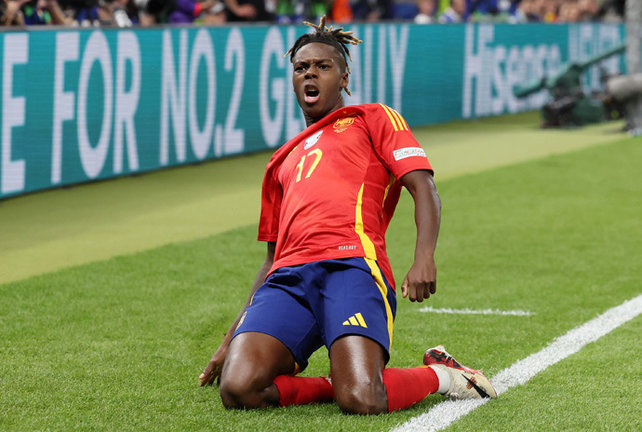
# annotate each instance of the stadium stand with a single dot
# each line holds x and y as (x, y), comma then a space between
(127, 13)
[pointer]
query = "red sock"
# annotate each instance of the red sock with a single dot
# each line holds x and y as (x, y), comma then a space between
(406, 387)
(294, 390)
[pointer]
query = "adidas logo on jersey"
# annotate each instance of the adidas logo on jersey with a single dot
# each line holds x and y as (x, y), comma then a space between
(356, 320)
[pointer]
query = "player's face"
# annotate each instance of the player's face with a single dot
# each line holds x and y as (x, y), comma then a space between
(318, 78)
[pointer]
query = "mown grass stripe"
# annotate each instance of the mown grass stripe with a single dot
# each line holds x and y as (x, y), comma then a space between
(63, 228)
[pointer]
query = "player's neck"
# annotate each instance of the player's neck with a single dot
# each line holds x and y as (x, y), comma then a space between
(309, 121)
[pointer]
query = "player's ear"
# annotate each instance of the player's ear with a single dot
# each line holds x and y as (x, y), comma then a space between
(344, 81)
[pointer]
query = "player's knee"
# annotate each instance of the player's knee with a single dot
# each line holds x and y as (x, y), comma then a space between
(369, 398)
(231, 394)
(239, 394)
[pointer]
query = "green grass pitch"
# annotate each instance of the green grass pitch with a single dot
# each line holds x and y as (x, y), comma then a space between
(118, 343)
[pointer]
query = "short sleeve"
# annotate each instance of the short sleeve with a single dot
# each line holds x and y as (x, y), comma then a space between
(271, 198)
(394, 142)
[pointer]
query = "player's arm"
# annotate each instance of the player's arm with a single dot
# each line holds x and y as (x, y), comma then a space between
(214, 367)
(421, 280)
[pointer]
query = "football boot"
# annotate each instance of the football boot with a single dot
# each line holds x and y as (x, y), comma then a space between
(465, 382)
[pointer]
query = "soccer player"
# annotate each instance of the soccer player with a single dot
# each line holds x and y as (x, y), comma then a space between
(328, 196)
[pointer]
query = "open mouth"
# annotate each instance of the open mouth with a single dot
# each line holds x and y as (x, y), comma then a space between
(311, 94)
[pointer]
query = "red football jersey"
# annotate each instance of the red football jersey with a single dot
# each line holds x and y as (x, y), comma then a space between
(331, 191)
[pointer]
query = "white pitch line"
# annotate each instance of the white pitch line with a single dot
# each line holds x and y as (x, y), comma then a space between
(443, 414)
(475, 311)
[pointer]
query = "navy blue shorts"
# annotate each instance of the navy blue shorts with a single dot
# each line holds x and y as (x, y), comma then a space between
(311, 305)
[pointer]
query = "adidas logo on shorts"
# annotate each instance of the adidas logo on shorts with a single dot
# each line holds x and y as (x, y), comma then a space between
(356, 320)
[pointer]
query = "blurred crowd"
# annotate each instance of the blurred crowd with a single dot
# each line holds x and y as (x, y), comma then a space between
(127, 13)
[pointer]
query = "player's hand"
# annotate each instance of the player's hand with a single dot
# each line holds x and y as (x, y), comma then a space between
(214, 367)
(421, 280)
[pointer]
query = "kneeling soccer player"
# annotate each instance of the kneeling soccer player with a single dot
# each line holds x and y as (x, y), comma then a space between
(328, 196)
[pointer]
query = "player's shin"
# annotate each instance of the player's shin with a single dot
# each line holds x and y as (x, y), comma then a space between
(294, 390)
(406, 387)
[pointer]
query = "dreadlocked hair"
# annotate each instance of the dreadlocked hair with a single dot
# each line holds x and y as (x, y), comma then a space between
(330, 36)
